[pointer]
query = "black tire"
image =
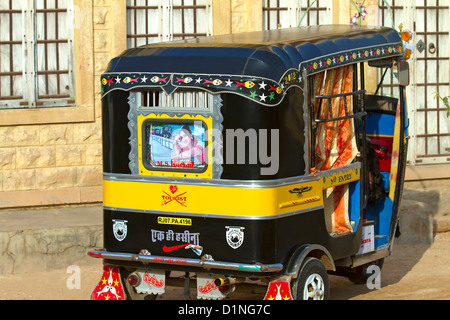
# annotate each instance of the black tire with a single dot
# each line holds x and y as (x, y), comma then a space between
(312, 282)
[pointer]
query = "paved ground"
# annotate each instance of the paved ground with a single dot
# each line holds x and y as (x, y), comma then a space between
(413, 271)
(37, 247)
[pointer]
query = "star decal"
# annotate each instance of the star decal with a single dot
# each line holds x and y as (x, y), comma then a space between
(263, 97)
(229, 83)
(144, 79)
(262, 85)
(118, 79)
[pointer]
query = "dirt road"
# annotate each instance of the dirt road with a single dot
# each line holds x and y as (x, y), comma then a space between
(418, 272)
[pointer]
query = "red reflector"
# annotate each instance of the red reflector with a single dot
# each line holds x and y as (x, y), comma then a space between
(224, 289)
(95, 254)
(133, 279)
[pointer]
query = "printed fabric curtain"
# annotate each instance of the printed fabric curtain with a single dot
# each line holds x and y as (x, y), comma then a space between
(335, 141)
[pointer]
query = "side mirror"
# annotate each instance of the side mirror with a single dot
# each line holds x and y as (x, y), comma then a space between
(403, 73)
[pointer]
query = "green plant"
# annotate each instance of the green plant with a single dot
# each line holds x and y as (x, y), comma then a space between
(446, 102)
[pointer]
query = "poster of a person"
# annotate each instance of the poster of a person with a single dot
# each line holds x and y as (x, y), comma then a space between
(187, 149)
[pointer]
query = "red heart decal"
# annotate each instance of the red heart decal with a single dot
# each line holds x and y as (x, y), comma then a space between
(173, 189)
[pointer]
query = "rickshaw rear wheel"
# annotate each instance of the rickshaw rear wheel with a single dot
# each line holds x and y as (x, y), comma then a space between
(312, 282)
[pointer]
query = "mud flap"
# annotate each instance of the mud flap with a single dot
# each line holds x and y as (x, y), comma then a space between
(206, 289)
(280, 289)
(110, 286)
(153, 282)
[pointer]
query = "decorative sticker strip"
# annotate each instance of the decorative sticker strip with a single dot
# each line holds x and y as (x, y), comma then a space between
(122, 81)
(344, 58)
(261, 90)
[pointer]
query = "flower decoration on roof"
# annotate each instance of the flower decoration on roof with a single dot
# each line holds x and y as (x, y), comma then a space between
(361, 14)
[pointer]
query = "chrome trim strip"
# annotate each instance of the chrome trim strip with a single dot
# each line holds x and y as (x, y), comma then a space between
(244, 184)
(202, 263)
(215, 216)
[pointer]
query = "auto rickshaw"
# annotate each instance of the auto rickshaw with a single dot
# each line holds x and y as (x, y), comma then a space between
(254, 156)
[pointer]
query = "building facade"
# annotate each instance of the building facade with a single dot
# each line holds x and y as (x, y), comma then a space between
(52, 53)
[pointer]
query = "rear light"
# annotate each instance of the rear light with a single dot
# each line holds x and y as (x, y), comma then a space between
(134, 279)
(224, 289)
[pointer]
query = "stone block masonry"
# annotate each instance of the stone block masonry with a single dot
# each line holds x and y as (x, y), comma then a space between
(50, 164)
(57, 159)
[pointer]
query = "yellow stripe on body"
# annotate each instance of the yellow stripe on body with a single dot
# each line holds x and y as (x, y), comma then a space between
(211, 199)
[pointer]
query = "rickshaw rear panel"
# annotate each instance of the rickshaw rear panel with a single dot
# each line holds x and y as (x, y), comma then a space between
(263, 241)
(288, 118)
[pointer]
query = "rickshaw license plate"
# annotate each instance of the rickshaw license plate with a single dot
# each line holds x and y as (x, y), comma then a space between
(175, 221)
(152, 282)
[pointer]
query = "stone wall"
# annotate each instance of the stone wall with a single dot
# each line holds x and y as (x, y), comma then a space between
(54, 156)
(234, 16)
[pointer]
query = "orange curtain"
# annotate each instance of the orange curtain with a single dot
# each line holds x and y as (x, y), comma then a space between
(335, 140)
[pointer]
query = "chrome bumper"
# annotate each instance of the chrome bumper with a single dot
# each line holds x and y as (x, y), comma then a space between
(206, 262)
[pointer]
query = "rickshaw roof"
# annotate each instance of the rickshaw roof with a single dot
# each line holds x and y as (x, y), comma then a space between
(243, 62)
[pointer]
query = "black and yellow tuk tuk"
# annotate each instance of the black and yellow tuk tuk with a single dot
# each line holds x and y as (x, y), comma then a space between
(259, 155)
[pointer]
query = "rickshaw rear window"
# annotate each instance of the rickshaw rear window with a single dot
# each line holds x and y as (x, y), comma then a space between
(376, 103)
(174, 146)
